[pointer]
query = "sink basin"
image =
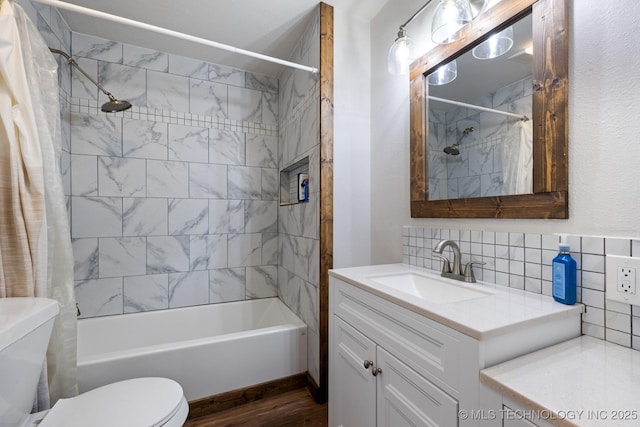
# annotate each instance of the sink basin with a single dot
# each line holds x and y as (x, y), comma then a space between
(429, 289)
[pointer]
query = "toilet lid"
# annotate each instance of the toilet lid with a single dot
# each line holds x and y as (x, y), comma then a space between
(138, 402)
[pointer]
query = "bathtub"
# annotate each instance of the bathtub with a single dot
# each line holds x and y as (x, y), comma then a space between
(208, 349)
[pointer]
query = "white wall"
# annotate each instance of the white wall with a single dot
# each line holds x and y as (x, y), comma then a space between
(603, 129)
(352, 164)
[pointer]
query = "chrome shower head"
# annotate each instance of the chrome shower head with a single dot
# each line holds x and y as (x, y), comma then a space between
(452, 150)
(115, 106)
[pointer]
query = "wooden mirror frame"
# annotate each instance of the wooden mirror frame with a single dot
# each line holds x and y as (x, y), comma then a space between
(549, 111)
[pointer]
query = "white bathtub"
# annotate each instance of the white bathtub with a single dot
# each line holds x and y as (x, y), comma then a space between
(208, 349)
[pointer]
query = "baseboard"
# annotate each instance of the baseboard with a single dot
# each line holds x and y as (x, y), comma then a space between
(231, 399)
(314, 389)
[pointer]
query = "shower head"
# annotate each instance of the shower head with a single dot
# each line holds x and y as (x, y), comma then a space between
(114, 105)
(453, 149)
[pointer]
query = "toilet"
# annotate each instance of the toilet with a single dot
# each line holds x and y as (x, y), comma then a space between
(25, 329)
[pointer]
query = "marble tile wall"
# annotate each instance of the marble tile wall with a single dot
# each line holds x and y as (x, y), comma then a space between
(298, 224)
(173, 202)
(478, 170)
(523, 261)
(57, 34)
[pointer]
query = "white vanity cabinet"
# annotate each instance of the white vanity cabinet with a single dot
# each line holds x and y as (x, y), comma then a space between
(354, 402)
(426, 373)
(375, 388)
(418, 364)
(519, 418)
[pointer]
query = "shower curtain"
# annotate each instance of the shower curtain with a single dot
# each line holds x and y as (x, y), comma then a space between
(35, 244)
(517, 159)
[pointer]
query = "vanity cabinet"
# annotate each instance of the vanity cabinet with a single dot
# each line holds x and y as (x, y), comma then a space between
(354, 402)
(426, 373)
(515, 415)
(418, 364)
(515, 422)
(375, 388)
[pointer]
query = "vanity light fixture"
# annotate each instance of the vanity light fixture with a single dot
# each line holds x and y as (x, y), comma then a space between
(401, 53)
(446, 17)
(444, 74)
(496, 45)
(450, 16)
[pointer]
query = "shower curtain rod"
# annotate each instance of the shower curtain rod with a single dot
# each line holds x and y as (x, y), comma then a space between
(171, 33)
(477, 107)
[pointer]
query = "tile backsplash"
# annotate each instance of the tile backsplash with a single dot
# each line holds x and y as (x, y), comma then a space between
(523, 261)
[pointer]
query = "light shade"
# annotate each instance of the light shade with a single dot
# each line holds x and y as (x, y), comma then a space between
(401, 54)
(496, 45)
(444, 74)
(450, 16)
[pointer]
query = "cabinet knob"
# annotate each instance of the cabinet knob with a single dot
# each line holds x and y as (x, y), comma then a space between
(368, 363)
(375, 371)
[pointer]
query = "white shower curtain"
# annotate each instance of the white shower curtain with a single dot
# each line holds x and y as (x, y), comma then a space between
(517, 160)
(35, 245)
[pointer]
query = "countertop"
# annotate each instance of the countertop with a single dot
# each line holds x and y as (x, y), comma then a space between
(581, 382)
(506, 310)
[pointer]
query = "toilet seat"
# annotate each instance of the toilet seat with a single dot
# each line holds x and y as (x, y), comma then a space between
(140, 402)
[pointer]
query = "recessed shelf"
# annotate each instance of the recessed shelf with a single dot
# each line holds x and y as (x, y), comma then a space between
(290, 182)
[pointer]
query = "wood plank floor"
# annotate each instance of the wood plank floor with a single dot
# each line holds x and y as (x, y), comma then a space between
(292, 409)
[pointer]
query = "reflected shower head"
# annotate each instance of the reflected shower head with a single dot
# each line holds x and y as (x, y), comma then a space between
(113, 105)
(453, 149)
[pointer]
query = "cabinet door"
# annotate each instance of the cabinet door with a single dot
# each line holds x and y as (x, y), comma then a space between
(518, 422)
(354, 389)
(405, 398)
(515, 418)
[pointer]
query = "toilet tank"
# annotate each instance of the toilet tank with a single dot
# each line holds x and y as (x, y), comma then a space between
(25, 329)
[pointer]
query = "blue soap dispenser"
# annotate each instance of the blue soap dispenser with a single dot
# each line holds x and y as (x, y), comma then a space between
(564, 276)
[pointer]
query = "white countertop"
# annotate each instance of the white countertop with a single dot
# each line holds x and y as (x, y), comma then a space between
(505, 311)
(582, 382)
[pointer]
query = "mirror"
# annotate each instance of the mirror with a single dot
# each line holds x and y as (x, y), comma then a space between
(462, 157)
(474, 149)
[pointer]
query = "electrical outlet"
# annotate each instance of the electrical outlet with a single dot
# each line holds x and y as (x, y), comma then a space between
(626, 280)
(621, 279)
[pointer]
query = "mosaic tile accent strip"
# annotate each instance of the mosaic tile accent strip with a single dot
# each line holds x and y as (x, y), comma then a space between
(92, 107)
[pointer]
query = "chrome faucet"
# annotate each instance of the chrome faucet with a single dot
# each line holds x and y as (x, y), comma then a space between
(456, 256)
(455, 272)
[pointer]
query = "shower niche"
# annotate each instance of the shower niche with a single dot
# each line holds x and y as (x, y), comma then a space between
(294, 183)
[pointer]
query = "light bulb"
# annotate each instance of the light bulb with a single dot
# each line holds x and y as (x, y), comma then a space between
(400, 54)
(496, 45)
(444, 74)
(450, 16)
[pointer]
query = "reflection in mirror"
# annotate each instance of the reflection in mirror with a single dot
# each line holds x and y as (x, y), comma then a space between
(479, 152)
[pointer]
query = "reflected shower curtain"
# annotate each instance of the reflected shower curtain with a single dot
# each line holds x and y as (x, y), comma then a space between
(517, 160)
(35, 245)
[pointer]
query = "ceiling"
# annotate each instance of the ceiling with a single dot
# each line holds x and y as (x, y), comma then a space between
(270, 27)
